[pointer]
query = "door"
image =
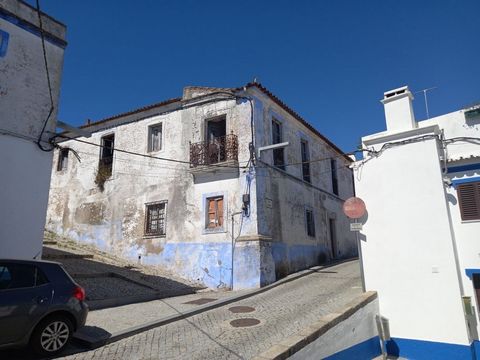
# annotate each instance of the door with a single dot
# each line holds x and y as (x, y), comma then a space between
(333, 240)
(216, 132)
(216, 128)
(25, 295)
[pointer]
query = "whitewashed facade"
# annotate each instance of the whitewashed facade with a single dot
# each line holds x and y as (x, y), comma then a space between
(24, 107)
(196, 197)
(420, 240)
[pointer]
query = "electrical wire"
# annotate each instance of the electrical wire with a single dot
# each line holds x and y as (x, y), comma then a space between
(142, 155)
(52, 107)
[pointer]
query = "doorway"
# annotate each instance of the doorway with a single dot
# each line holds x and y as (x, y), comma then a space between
(333, 236)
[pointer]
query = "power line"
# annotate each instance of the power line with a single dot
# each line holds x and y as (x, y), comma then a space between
(140, 154)
(50, 112)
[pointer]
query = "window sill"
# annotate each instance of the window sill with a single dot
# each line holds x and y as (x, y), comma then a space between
(470, 221)
(154, 236)
(155, 152)
(213, 231)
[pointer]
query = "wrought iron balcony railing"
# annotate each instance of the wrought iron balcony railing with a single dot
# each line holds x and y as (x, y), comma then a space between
(215, 151)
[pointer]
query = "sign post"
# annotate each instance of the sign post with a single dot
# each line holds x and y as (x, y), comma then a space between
(354, 208)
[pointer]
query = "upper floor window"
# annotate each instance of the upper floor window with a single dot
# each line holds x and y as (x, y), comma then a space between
(106, 154)
(305, 161)
(333, 166)
(469, 200)
(155, 138)
(278, 155)
(155, 218)
(62, 159)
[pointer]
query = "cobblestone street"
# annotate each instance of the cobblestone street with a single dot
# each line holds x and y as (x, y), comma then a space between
(282, 312)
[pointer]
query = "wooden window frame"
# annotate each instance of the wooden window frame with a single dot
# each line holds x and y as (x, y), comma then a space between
(159, 232)
(62, 163)
(469, 200)
(150, 139)
(219, 216)
(305, 155)
(278, 154)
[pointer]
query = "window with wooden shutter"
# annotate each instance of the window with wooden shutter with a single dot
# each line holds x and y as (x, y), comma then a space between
(469, 200)
(215, 212)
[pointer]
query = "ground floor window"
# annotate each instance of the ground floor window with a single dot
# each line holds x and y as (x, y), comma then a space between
(155, 218)
(215, 212)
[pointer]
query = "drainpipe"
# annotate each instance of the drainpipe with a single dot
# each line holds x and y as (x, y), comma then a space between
(233, 244)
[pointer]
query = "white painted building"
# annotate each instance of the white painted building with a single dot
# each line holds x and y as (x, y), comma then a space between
(25, 105)
(180, 214)
(420, 241)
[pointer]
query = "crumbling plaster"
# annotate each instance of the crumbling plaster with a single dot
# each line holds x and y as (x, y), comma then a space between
(269, 243)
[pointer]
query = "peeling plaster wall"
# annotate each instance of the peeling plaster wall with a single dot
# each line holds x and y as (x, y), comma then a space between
(114, 219)
(268, 244)
(281, 208)
(24, 107)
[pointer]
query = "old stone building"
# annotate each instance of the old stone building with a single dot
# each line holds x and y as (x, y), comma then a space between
(188, 182)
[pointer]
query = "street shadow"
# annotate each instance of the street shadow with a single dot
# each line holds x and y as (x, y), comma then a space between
(104, 283)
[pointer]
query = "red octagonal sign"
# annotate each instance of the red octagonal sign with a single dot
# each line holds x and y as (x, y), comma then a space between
(354, 208)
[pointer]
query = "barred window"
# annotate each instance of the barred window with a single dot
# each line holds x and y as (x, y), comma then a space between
(155, 221)
(469, 200)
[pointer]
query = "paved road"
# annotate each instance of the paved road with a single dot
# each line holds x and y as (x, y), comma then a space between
(282, 312)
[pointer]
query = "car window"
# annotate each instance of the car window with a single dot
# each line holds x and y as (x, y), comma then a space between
(40, 277)
(5, 277)
(19, 276)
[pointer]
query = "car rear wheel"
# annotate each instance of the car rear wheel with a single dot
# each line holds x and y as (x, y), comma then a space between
(51, 335)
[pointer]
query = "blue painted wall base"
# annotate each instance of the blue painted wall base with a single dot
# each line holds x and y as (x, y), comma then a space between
(420, 349)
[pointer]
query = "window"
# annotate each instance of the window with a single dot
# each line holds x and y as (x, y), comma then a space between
(278, 158)
(106, 155)
(310, 222)
(62, 159)
(469, 200)
(305, 161)
(14, 276)
(214, 212)
(155, 219)
(155, 138)
(333, 166)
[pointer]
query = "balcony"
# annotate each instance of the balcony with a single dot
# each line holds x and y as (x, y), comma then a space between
(219, 155)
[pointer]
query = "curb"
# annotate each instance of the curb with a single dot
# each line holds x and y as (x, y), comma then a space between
(95, 342)
(294, 343)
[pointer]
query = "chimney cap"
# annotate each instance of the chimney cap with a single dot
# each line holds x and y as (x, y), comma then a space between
(397, 93)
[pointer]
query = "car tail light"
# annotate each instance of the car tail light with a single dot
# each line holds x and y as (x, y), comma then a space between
(79, 293)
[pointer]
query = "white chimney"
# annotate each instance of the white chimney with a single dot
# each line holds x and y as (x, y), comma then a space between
(399, 110)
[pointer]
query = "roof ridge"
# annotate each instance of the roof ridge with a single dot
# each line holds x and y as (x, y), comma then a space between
(296, 115)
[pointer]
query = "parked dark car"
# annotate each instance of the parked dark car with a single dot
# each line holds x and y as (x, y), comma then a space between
(40, 305)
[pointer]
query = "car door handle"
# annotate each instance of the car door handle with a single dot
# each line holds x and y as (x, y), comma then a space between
(41, 299)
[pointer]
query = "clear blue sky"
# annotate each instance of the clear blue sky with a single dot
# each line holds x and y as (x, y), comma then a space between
(330, 61)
